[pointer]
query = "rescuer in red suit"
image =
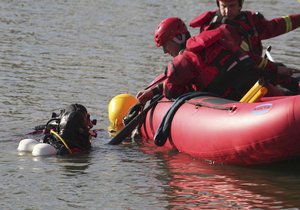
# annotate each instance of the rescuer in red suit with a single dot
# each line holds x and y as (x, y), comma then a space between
(211, 61)
(252, 28)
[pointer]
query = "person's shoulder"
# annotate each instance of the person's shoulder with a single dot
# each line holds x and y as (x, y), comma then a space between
(202, 19)
(253, 14)
(185, 61)
(184, 56)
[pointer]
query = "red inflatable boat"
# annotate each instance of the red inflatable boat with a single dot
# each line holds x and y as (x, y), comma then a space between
(224, 131)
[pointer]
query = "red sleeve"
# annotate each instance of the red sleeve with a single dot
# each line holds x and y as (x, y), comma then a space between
(159, 79)
(295, 18)
(180, 74)
(267, 29)
(202, 20)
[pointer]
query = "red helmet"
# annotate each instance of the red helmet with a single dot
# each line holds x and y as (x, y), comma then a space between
(241, 2)
(168, 29)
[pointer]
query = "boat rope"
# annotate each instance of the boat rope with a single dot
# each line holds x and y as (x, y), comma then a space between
(226, 108)
(199, 104)
(163, 131)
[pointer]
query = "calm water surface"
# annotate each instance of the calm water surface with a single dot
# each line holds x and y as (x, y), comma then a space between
(54, 53)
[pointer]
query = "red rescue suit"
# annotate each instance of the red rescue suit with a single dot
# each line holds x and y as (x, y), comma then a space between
(253, 28)
(212, 64)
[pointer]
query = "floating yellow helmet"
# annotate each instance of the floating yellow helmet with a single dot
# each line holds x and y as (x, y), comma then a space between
(119, 106)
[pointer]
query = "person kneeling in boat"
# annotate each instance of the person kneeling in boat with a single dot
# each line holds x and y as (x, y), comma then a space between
(211, 61)
(252, 28)
(174, 31)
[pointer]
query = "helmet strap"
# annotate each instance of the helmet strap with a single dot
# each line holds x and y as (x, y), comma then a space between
(180, 39)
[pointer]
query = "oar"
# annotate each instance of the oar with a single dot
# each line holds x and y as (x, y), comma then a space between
(127, 130)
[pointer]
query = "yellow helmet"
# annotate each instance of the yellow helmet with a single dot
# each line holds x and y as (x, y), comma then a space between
(119, 106)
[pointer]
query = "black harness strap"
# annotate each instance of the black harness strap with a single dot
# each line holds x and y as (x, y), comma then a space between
(219, 19)
(243, 16)
(220, 83)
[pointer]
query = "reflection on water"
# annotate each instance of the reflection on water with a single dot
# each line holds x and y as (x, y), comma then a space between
(75, 165)
(193, 184)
